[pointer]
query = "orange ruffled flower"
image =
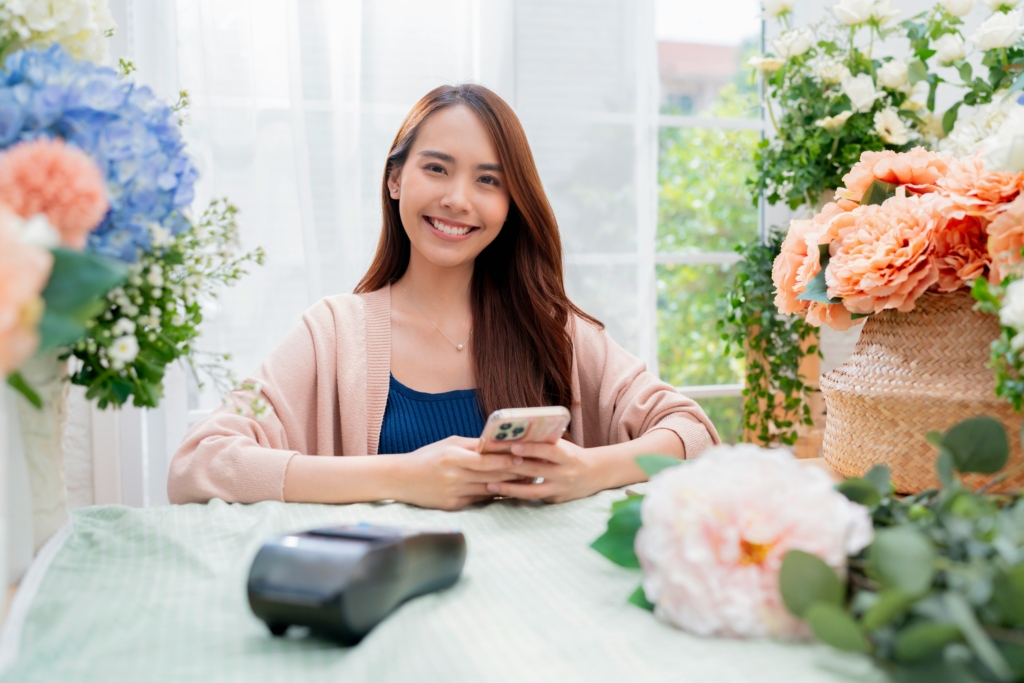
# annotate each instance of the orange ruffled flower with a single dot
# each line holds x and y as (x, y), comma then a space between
(24, 271)
(50, 177)
(836, 316)
(1006, 239)
(886, 261)
(918, 169)
(798, 260)
(960, 252)
(978, 191)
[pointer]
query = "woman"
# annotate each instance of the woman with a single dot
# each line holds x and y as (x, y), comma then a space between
(462, 312)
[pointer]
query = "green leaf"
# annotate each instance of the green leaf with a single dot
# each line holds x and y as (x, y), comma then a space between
(18, 383)
(617, 542)
(949, 118)
(916, 71)
(652, 464)
(805, 579)
(978, 445)
(891, 604)
(903, 558)
(962, 615)
(878, 191)
(835, 627)
(639, 598)
(860, 491)
(57, 330)
(924, 640)
(965, 72)
(1008, 594)
(879, 475)
(817, 289)
(935, 437)
(78, 278)
(944, 468)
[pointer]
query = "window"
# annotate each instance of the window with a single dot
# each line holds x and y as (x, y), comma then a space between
(709, 125)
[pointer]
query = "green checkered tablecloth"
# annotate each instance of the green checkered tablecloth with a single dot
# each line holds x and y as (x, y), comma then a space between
(158, 594)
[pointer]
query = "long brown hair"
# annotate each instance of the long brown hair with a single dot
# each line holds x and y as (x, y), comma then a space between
(522, 347)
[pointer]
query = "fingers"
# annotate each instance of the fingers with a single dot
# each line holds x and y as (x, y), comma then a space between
(532, 469)
(524, 491)
(490, 463)
(543, 451)
(463, 442)
(494, 477)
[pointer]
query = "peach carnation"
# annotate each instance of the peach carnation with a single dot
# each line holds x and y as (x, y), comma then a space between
(918, 169)
(978, 191)
(1006, 239)
(715, 532)
(960, 252)
(886, 261)
(24, 271)
(47, 176)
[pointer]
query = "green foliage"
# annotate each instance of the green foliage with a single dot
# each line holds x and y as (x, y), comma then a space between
(1005, 358)
(943, 580)
(154, 317)
(652, 464)
(805, 580)
(617, 542)
(775, 397)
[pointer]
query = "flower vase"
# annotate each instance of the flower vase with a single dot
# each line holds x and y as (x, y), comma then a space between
(911, 373)
(41, 431)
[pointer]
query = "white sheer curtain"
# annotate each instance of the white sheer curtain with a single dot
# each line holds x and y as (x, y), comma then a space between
(294, 104)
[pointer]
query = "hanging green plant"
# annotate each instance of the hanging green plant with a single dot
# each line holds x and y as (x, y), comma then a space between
(776, 396)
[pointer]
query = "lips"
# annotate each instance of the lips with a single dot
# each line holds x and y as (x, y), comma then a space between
(449, 231)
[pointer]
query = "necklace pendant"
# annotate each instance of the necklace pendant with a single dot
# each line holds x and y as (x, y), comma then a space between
(459, 347)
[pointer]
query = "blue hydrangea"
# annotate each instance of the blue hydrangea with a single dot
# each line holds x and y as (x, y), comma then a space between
(125, 128)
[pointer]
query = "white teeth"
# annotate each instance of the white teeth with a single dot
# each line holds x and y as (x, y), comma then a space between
(448, 229)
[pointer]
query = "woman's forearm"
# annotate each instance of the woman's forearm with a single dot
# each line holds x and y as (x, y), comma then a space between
(349, 479)
(616, 466)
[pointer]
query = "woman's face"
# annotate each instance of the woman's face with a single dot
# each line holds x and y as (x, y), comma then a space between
(451, 191)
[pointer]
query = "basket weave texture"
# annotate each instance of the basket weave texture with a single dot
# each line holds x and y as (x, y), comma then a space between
(911, 373)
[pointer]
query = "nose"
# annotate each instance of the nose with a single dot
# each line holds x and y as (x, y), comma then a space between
(456, 198)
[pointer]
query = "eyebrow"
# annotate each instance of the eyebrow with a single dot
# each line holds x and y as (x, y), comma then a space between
(451, 160)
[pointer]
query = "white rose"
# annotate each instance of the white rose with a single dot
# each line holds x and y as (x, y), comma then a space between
(949, 48)
(774, 8)
(1004, 150)
(766, 64)
(999, 30)
(1011, 314)
(831, 71)
(834, 123)
(890, 127)
(957, 8)
(853, 12)
(124, 349)
(893, 74)
(1001, 5)
(793, 43)
(882, 12)
(861, 91)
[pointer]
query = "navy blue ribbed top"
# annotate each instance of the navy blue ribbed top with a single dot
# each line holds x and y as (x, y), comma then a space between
(413, 419)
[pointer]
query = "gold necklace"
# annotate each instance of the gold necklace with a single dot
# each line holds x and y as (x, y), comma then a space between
(458, 347)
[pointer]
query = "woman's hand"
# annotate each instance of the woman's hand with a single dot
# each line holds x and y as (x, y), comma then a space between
(567, 474)
(451, 474)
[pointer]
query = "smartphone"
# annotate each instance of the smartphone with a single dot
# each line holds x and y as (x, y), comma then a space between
(507, 427)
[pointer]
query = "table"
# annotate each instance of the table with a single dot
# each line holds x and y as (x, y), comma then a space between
(158, 594)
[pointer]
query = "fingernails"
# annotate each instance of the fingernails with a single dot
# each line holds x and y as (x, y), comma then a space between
(517, 461)
(493, 488)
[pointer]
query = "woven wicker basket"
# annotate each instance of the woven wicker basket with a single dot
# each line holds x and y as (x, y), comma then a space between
(911, 373)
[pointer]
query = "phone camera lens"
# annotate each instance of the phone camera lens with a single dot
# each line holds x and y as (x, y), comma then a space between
(517, 431)
(500, 436)
(506, 426)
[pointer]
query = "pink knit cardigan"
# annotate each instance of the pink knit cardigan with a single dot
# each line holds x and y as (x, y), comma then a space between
(328, 386)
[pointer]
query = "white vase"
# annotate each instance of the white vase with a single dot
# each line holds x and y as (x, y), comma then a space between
(41, 431)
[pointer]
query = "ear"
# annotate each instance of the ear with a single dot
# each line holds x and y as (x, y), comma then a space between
(394, 182)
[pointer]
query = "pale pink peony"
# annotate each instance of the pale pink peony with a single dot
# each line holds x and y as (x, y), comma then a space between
(47, 176)
(960, 252)
(715, 531)
(919, 170)
(886, 261)
(1006, 239)
(977, 191)
(24, 271)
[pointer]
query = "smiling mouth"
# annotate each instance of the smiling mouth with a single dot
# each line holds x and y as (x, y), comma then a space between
(450, 230)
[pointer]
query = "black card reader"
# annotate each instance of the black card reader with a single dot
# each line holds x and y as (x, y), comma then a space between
(342, 581)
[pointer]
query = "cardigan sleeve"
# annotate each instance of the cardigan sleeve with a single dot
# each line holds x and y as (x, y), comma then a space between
(620, 400)
(235, 457)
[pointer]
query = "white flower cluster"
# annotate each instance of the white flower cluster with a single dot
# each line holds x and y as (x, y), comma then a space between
(1011, 313)
(856, 12)
(983, 128)
(80, 26)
